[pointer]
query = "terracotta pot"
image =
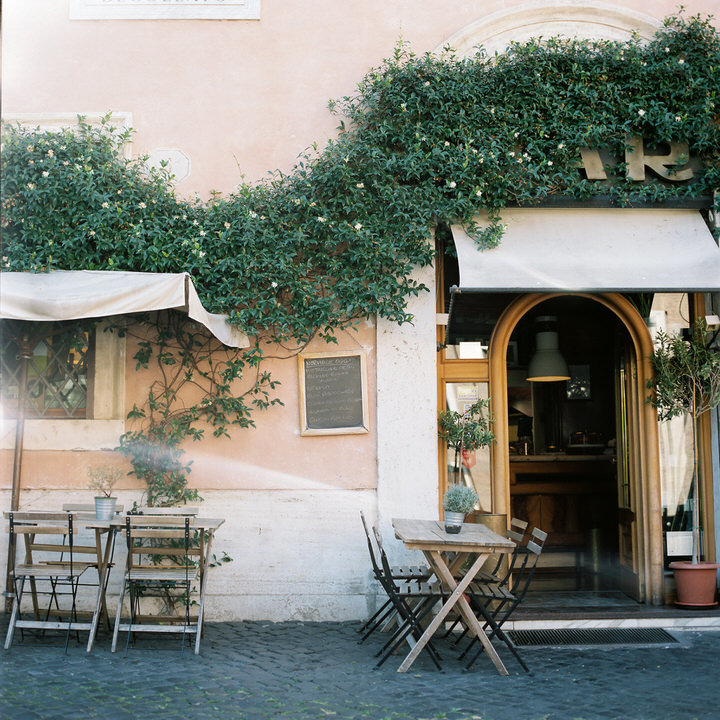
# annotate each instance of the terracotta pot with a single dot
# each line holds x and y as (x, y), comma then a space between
(696, 584)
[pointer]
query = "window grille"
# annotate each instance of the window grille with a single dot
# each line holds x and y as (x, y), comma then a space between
(57, 374)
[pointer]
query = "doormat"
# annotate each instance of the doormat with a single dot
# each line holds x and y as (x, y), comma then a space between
(580, 637)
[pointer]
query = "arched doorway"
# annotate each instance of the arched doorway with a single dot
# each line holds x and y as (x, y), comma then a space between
(636, 550)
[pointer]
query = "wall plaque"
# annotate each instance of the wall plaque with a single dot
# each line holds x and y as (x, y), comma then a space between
(333, 393)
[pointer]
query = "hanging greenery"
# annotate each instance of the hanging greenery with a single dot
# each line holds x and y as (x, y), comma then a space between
(425, 140)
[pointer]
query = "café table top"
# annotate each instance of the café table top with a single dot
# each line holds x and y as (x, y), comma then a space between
(431, 534)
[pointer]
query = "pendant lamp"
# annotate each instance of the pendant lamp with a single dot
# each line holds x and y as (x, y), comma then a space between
(547, 364)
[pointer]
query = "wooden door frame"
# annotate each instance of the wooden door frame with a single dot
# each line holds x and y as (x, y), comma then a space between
(647, 492)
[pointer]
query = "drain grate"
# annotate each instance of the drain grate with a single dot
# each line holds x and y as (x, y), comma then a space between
(591, 636)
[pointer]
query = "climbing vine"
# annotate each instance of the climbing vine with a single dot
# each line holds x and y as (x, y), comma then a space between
(425, 140)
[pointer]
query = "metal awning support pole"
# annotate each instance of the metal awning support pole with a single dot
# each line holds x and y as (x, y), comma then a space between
(26, 351)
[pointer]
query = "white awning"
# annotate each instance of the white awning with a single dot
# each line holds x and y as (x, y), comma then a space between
(75, 294)
(593, 250)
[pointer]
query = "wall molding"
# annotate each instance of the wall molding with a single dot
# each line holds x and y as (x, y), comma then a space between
(584, 19)
(164, 10)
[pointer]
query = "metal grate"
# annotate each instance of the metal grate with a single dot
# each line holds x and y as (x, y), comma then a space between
(591, 636)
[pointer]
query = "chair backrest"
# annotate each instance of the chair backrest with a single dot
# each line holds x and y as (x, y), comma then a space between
(517, 533)
(86, 507)
(39, 529)
(182, 511)
(159, 538)
(533, 549)
(373, 559)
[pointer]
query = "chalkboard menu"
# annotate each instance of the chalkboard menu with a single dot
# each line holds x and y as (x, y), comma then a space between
(333, 393)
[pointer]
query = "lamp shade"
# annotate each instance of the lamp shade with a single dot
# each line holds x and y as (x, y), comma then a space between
(547, 364)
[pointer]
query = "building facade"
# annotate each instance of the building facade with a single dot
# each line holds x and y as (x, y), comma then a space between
(233, 89)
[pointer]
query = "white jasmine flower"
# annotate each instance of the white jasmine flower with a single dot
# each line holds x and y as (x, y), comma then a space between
(403, 106)
(227, 225)
(51, 153)
(273, 284)
(550, 162)
(202, 233)
(297, 201)
(91, 233)
(66, 162)
(681, 61)
(511, 154)
(447, 143)
(201, 253)
(105, 205)
(427, 82)
(312, 204)
(195, 222)
(360, 185)
(46, 173)
(29, 148)
(252, 214)
(667, 49)
(478, 193)
(519, 160)
(561, 146)
(452, 184)
(358, 226)
(517, 134)
(320, 218)
(142, 205)
(30, 186)
(641, 113)
(31, 162)
(678, 118)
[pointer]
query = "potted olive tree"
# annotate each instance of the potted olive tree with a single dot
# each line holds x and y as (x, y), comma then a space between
(464, 433)
(687, 382)
(103, 479)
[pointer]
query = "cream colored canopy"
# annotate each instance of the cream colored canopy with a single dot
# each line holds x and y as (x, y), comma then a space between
(76, 294)
(593, 250)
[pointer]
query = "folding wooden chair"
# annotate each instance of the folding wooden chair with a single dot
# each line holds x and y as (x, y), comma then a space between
(496, 603)
(51, 564)
(163, 560)
(399, 573)
(412, 601)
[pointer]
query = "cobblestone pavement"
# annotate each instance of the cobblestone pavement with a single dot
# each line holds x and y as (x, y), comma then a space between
(254, 670)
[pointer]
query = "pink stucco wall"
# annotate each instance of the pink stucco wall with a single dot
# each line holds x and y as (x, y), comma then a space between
(238, 97)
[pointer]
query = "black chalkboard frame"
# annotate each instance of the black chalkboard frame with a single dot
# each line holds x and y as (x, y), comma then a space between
(354, 429)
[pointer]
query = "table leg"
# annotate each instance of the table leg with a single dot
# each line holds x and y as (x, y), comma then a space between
(103, 574)
(445, 575)
(465, 610)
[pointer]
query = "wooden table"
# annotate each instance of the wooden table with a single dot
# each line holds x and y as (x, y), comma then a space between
(429, 536)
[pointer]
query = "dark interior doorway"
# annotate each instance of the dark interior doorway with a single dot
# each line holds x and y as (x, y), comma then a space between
(563, 445)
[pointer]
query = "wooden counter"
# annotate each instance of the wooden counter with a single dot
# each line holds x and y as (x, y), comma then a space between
(563, 494)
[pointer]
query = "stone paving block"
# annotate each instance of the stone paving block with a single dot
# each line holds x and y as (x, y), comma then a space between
(314, 671)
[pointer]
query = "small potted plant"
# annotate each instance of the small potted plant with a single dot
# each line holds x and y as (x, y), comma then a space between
(458, 501)
(687, 382)
(103, 479)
